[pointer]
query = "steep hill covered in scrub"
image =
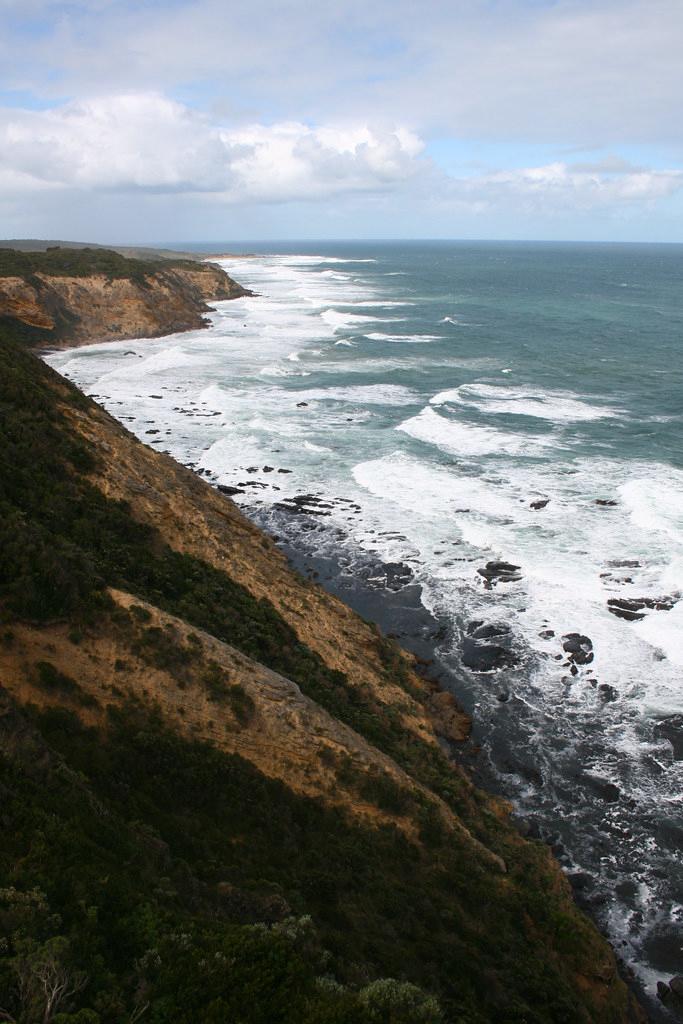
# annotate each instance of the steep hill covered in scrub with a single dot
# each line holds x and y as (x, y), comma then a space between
(223, 795)
(66, 297)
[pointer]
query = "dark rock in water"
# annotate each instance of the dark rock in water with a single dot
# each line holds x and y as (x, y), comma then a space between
(579, 648)
(671, 729)
(541, 503)
(503, 697)
(607, 790)
(268, 469)
(632, 608)
(624, 609)
(500, 572)
(304, 505)
(502, 567)
(479, 631)
(607, 692)
(547, 634)
(580, 880)
(626, 563)
(156, 396)
(486, 657)
(151, 431)
(302, 405)
(481, 656)
(285, 470)
(386, 575)
(225, 489)
(672, 995)
(606, 502)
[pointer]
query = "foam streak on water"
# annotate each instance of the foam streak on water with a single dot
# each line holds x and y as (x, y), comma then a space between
(547, 435)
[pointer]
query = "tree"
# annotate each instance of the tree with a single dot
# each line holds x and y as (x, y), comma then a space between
(44, 980)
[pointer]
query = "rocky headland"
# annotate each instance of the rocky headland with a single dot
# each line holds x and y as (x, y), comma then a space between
(63, 298)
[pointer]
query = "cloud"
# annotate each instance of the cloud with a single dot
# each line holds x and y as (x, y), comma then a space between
(145, 141)
(598, 72)
(559, 186)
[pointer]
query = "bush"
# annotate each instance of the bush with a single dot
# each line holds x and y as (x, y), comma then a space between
(393, 1002)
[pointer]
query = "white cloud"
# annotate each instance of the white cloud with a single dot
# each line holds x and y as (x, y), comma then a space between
(582, 71)
(144, 142)
(291, 160)
(148, 142)
(560, 186)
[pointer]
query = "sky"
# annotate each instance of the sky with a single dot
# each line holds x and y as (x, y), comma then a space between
(211, 120)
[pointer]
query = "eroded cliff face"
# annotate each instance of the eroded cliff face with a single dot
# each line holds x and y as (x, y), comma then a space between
(66, 311)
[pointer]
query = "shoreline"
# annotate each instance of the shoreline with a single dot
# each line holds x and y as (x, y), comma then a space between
(398, 611)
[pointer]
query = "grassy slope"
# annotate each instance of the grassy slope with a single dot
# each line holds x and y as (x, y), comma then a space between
(82, 263)
(156, 855)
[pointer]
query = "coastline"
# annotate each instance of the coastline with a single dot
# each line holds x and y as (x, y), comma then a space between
(396, 610)
(399, 612)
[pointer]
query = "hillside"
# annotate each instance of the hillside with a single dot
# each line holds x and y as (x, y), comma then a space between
(225, 796)
(67, 297)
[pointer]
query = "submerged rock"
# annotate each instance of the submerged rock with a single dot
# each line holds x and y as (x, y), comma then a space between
(541, 503)
(481, 656)
(482, 631)
(486, 657)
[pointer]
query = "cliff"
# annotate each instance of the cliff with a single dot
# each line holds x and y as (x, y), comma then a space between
(62, 297)
(224, 795)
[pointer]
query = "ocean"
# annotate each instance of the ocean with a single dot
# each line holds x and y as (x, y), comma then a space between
(495, 430)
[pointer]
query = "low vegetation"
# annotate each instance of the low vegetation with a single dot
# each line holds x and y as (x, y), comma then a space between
(145, 876)
(64, 262)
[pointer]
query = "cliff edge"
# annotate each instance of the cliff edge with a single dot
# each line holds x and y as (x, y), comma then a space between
(70, 297)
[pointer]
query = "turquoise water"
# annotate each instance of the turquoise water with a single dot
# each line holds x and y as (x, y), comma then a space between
(454, 404)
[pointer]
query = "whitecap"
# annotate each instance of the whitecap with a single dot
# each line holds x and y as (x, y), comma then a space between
(406, 339)
(362, 394)
(375, 304)
(466, 439)
(280, 371)
(343, 321)
(655, 504)
(557, 406)
(429, 491)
